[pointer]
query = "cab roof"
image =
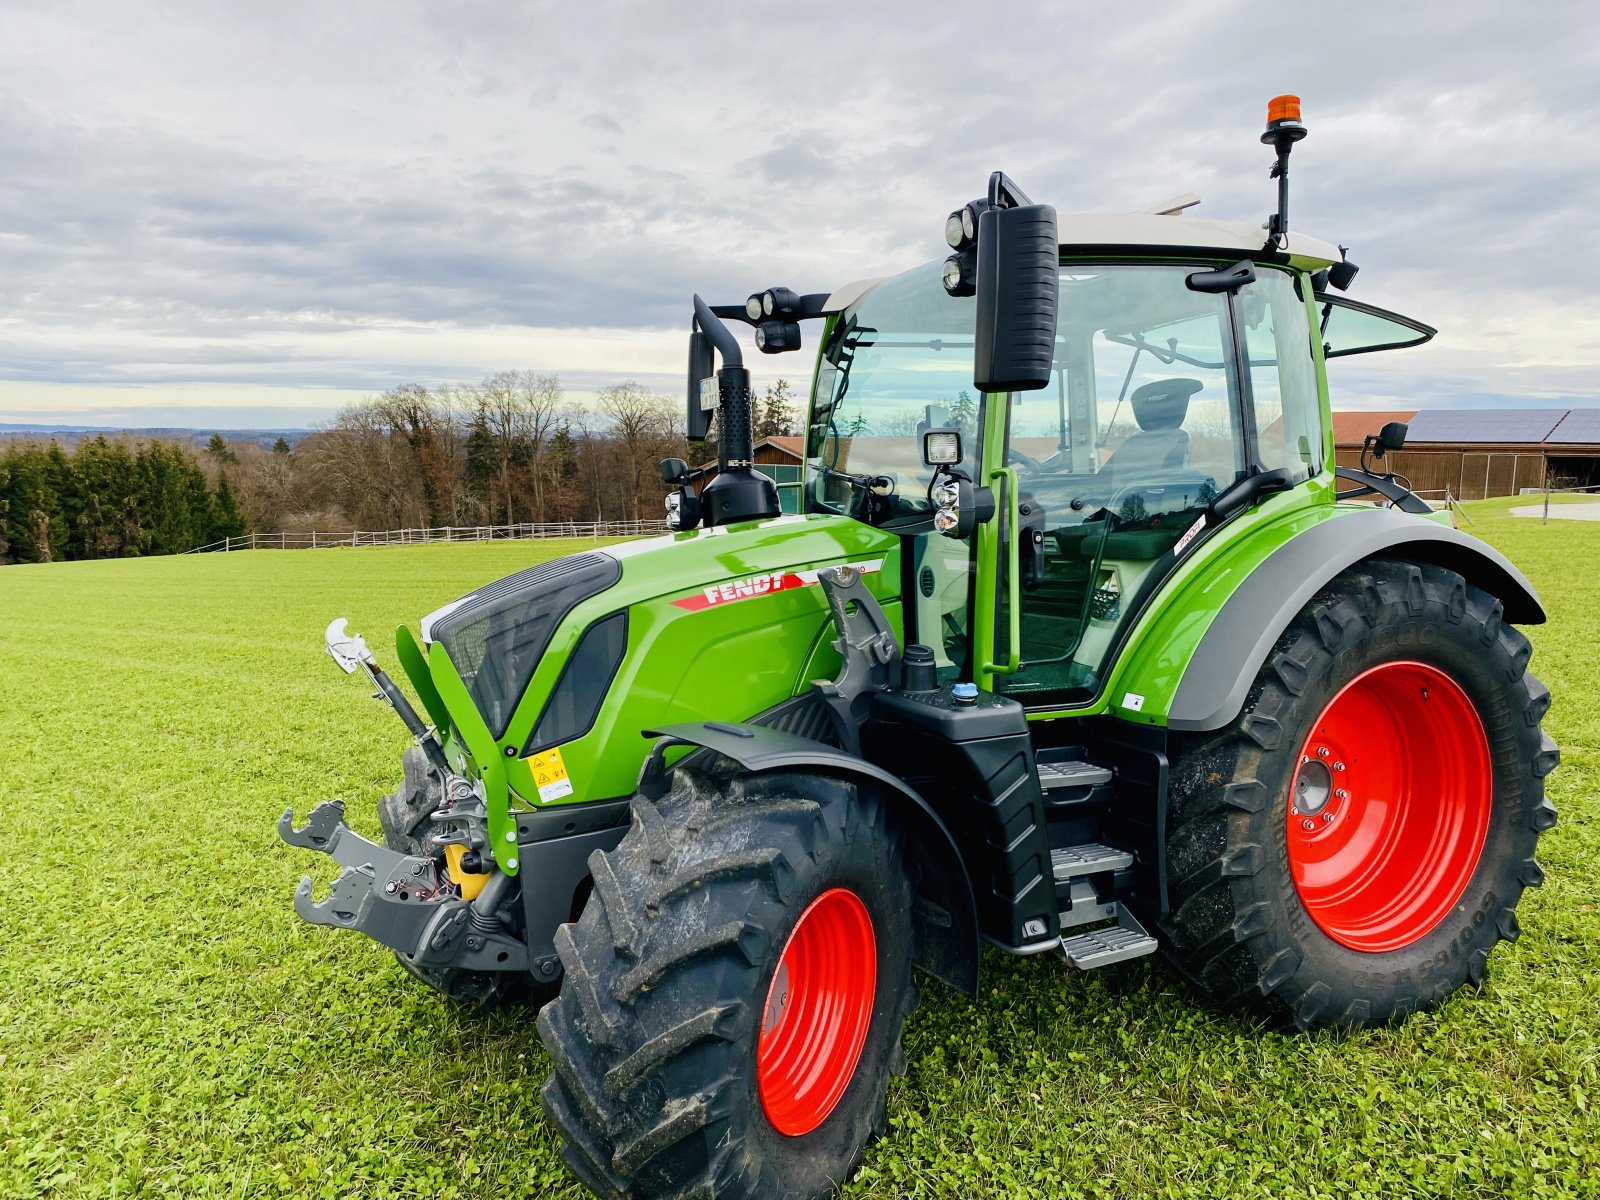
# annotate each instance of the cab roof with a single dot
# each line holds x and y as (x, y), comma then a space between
(1145, 231)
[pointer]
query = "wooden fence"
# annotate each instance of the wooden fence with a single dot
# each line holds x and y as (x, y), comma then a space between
(312, 540)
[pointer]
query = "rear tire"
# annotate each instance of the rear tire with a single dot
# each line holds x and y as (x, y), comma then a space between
(1364, 923)
(675, 1052)
(404, 814)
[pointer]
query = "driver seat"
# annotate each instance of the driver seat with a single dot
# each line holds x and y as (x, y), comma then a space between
(1160, 448)
(1162, 444)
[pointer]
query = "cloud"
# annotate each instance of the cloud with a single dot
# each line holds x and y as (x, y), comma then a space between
(252, 194)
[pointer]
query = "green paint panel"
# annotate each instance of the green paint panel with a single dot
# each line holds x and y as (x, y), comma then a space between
(722, 623)
(480, 746)
(414, 661)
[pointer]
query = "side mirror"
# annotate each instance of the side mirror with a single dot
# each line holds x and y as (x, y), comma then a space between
(941, 447)
(702, 366)
(1224, 279)
(1019, 276)
(674, 470)
(1391, 437)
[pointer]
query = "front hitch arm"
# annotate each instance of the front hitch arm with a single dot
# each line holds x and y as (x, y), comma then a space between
(397, 899)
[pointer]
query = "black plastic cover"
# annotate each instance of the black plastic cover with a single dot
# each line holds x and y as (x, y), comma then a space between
(498, 634)
(573, 705)
(1019, 278)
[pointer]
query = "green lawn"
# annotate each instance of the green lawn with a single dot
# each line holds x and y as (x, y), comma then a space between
(168, 1027)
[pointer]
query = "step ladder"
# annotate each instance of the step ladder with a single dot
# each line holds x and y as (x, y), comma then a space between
(1106, 943)
(1059, 776)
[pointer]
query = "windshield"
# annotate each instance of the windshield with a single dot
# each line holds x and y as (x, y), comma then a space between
(901, 362)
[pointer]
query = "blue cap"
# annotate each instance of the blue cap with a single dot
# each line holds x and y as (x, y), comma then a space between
(965, 691)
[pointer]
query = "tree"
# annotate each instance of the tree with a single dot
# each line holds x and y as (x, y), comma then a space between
(226, 519)
(217, 448)
(281, 446)
(964, 415)
(645, 427)
(776, 414)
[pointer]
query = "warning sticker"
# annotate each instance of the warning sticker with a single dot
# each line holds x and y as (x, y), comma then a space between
(550, 775)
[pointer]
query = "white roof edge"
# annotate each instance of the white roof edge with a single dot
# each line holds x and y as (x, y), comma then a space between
(842, 298)
(1201, 233)
(1134, 230)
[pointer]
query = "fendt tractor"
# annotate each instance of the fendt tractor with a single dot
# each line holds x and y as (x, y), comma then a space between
(1075, 642)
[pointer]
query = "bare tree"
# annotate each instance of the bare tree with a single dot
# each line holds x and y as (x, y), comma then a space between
(646, 429)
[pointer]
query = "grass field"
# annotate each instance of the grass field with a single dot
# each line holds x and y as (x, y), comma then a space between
(168, 1027)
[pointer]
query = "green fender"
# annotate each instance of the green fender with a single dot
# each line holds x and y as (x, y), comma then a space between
(1214, 684)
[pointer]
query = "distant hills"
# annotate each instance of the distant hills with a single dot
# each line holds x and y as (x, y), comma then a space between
(69, 435)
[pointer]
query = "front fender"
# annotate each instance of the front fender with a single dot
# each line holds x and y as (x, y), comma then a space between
(947, 951)
(1212, 690)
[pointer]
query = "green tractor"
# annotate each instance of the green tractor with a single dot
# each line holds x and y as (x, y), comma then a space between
(1080, 646)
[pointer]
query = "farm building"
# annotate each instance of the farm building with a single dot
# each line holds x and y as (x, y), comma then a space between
(1481, 452)
(1472, 452)
(782, 458)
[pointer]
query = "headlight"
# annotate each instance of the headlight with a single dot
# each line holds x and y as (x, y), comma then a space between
(752, 307)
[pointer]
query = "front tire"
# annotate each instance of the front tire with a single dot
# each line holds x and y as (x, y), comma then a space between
(1355, 845)
(734, 991)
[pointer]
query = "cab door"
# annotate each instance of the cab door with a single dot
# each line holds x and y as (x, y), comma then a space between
(1190, 392)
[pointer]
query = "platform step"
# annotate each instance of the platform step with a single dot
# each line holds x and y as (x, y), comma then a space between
(1111, 944)
(1074, 774)
(1088, 859)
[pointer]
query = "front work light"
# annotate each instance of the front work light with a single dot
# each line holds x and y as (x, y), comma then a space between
(752, 307)
(941, 447)
(961, 273)
(961, 226)
(774, 337)
(779, 302)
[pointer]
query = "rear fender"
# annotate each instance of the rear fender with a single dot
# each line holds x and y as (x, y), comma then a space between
(946, 918)
(1217, 679)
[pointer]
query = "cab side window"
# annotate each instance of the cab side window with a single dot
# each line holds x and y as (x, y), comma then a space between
(1276, 338)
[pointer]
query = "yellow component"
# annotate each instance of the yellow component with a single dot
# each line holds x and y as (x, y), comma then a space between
(469, 883)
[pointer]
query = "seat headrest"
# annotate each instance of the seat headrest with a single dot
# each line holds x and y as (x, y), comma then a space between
(1164, 403)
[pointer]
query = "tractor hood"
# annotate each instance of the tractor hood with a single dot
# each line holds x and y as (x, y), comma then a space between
(545, 679)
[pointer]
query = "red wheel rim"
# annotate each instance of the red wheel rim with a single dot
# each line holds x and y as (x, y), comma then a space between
(1389, 808)
(818, 1008)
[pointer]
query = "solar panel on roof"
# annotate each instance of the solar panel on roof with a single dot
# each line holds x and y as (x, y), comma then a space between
(1580, 425)
(1526, 425)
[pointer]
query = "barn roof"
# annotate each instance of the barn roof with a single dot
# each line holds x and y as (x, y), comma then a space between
(1497, 425)
(1352, 428)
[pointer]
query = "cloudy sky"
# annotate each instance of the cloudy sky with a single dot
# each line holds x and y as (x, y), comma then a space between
(247, 214)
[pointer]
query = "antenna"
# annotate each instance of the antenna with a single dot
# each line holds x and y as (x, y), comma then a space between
(1283, 131)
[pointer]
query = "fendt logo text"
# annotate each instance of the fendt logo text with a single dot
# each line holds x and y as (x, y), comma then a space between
(762, 585)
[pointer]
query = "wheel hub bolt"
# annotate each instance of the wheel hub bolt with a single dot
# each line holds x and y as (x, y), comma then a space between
(1327, 818)
(1308, 823)
(1338, 766)
(1323, 752)
(1342, 794)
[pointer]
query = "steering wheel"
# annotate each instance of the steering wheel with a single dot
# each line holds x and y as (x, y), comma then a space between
(1013, 455)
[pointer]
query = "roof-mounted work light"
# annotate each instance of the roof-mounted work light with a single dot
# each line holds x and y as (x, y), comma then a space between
(961, 273)
(961, 226)
(774, 337)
